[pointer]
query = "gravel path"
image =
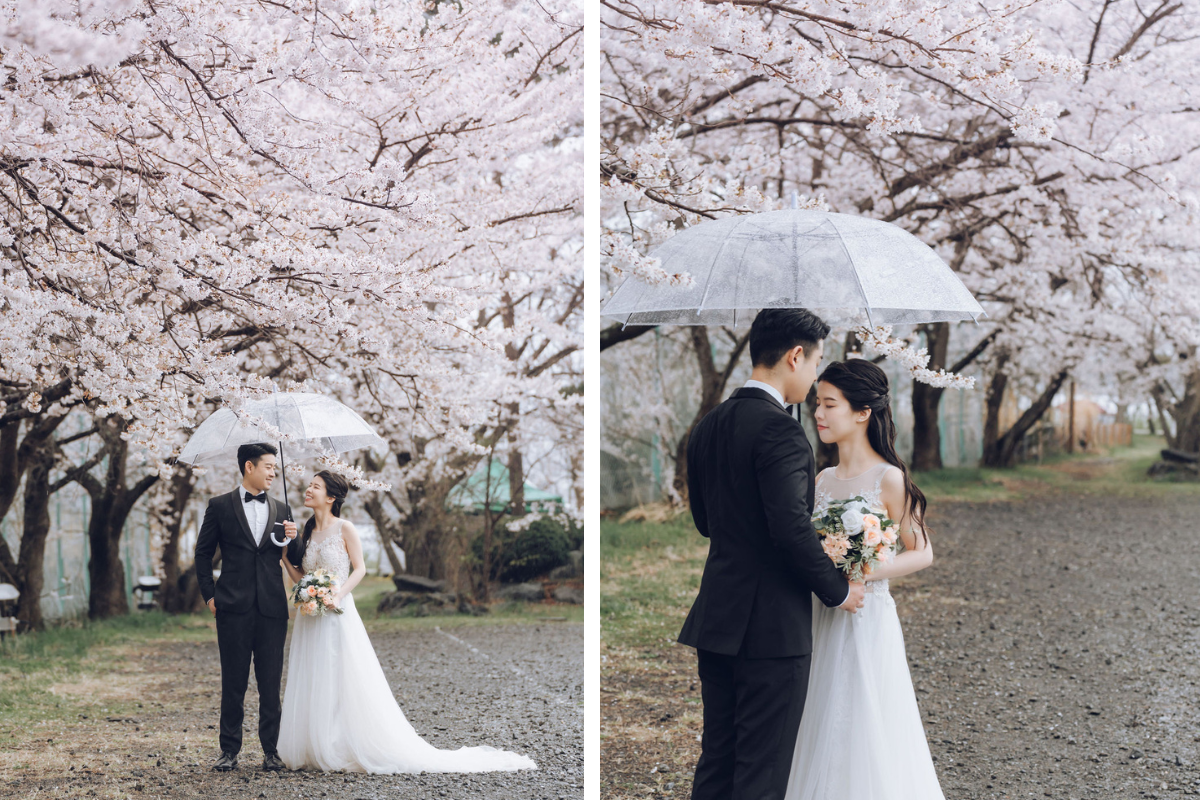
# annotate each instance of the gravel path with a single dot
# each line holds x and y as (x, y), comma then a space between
(1054, 647)
(518, 687)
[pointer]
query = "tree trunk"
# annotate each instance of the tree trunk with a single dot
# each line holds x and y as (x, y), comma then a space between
(1001, 451)
(35, 529)
(33, 459)
(992, 403)
(1071, 436)
(424, 528)
(489, 529)
(107, 573)
(1158, 399)
(516, 464)
(926, 399)
(712, 386)
(10, 465)
(112, 501)
(1187, 415)
(388, 530)
(172, 596)
(516, 483)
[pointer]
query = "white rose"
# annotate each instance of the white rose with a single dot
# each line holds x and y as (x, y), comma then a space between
(852, 520)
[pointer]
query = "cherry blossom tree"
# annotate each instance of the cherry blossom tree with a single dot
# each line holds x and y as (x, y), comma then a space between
(1028, 144)
(205, 202)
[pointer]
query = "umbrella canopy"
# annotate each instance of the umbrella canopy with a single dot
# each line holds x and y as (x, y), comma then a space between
(850, 270)
(313, 424)
(309, 424)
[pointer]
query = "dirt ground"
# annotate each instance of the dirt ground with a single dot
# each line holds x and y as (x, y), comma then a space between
(1053, 646)
(518, 687)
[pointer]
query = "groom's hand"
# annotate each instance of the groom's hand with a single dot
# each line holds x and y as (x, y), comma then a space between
(854, 600)
(212, 606)
(289, 529)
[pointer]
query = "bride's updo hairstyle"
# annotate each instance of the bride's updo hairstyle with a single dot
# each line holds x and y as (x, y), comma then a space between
(336, 487)
(865, 387)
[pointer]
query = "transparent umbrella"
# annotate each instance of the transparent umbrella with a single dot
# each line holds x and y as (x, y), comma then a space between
(850, 270)
(308, 424)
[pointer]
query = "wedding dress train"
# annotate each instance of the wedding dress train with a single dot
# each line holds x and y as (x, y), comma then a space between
(339, 713)
(861, 735)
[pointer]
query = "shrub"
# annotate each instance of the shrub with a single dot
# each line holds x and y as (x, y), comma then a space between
(525, 554)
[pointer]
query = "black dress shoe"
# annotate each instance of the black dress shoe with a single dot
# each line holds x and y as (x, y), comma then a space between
(226, 763)
(272, 762)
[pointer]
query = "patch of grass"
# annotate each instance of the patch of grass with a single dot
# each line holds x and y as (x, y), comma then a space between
(629, 537)
(373, 588)
(648, 576)
(36, 668)
(67, 647)
(370, 591)
(1120, 471)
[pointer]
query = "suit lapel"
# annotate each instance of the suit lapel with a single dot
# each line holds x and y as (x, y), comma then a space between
(240, 513)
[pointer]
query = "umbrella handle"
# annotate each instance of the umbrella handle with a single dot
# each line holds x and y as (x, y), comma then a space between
(283, 474)
(275, 541)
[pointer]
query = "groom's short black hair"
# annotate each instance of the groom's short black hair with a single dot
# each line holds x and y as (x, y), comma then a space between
(253, 452)
(777, 330)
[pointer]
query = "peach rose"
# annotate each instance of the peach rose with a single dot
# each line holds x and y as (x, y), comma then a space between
(311, 591)
(311, 607)
(889, 535)
(835, 548)
(872, 536)
(870, 521)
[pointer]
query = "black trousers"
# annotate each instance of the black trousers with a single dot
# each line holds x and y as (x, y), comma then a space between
(752, 710)
(241, 637)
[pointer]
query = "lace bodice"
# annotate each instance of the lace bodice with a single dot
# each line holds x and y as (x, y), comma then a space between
(329, 554)
(868, 486)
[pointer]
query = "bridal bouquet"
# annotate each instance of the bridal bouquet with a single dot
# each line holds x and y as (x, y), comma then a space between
(314, 594)
(854, 536)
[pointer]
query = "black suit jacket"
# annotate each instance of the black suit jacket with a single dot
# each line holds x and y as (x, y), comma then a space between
(251, 577)
(751, 478)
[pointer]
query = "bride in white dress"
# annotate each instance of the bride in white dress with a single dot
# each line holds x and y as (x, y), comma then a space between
(861, 735)
(339, 713)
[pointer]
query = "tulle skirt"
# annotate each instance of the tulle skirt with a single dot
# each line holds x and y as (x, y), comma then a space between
(339, 713)
(861, 735)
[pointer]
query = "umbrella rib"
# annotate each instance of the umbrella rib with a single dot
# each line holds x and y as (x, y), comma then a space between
(737, 284)
(854, 271)
(708, 280)
(229, 433)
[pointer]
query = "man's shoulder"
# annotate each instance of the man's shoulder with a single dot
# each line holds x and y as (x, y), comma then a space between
(758, 407)
(222, 501)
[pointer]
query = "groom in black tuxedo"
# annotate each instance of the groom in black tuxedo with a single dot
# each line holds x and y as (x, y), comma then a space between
(249, 600)
(751, 477)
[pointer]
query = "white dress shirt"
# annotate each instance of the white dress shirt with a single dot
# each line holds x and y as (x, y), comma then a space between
(768, 388)
(257, 513)
(771, 390)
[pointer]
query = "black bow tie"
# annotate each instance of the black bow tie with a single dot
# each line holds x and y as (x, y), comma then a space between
(262, 498)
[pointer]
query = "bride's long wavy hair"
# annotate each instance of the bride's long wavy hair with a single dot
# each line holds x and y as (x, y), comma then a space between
(865, 387)
(336, 487)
